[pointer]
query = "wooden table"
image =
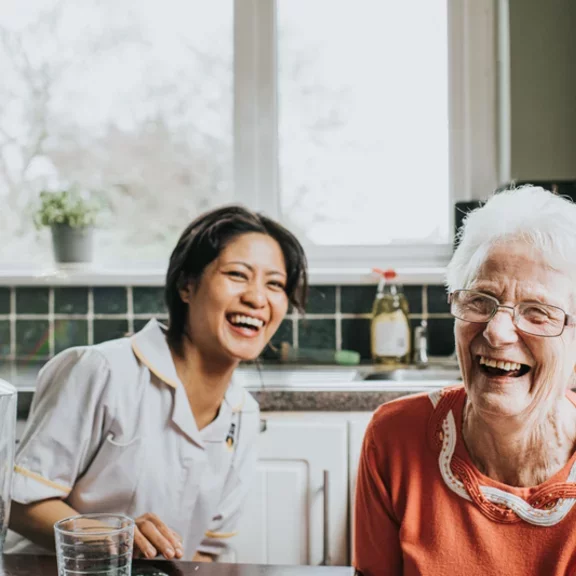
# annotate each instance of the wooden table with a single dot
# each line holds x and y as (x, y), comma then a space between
(12, 565)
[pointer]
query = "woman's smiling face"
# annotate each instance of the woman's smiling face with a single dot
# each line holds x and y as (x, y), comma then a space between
(240, 300)
(515, 273)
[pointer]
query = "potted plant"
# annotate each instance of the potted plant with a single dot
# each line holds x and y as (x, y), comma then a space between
(71, 217)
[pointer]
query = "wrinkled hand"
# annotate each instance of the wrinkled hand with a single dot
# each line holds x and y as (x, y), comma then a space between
(153, 537)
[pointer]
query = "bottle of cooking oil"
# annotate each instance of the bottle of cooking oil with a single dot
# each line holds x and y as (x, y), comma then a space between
(390, 327)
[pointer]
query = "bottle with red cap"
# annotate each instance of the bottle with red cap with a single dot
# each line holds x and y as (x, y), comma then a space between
(390, 326)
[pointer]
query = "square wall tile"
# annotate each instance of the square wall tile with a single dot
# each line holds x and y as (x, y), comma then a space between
(414, 296)
(566, 189)
(109, 329)
(148, 300)
(357, 299)
(360, 299)
(4, 300)
(317, 334)
(321, 300)
(283, 334)
(4, 338)
(32, 338)
(440, 336)
(110, 300)
(73, 300)
(32, 300)
(139, 323)
(69, 333)
(356, 336)
(438, 300)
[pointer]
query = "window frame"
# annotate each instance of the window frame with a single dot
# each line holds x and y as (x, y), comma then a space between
(475, 161)
(473, 137)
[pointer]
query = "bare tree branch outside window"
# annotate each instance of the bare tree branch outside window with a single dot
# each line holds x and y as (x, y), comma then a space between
(363, 120)
(130, 100)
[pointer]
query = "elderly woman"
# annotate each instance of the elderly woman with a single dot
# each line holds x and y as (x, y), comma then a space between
(479, 479)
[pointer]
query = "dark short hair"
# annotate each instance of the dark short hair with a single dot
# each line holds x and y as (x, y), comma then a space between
(203, 241)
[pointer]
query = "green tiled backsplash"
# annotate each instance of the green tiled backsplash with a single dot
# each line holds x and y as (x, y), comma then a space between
(38, 322)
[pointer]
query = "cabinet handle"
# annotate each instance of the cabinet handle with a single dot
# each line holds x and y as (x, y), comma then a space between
(326, 533)
(263, 425)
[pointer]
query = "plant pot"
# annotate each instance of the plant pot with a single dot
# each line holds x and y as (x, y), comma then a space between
(71, 245)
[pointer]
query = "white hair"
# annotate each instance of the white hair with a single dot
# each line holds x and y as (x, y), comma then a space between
(529, 214)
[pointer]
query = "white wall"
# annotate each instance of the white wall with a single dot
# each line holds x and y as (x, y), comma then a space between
(538, 76)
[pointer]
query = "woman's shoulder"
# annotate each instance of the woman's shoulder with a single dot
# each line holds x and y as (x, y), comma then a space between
(86, 359)
(73, 376)
(89, 365)
(412, 413)
(95, 354)
(115, 351)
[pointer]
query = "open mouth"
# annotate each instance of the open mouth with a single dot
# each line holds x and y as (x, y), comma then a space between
(243, 321)
(502, 368)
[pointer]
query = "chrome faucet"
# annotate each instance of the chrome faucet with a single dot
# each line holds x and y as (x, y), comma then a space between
(421, 344)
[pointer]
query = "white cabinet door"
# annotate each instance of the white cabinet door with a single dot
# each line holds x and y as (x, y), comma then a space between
(298, 509)
(356, 430)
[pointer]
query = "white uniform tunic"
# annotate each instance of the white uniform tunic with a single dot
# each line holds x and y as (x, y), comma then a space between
(111, 430)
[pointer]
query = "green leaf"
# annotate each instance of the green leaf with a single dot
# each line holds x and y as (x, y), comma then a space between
(66, 207)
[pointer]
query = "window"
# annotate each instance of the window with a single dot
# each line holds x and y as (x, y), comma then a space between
(130, 99)
(363, 107)
(348, 120)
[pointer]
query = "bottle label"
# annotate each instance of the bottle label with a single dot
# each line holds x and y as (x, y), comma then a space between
(391, 335)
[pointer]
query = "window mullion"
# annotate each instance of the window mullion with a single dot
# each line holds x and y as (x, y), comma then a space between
(473, 67)
(255, 106)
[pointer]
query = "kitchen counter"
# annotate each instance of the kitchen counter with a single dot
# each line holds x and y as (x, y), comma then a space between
(360, 400)
(46, 566)
(276, 388)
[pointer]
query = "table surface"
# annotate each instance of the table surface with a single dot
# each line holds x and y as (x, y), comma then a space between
(13, 565)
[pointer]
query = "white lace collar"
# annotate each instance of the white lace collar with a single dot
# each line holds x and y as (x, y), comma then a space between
(536, 516)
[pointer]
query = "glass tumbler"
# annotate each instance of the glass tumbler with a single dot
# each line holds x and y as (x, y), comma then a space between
(94, 544)
(8, 398)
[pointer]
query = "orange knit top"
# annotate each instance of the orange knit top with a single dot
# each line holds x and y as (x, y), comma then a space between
(424, 509)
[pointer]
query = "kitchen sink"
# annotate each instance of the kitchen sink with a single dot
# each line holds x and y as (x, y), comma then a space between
(415, 375)
(293, 377)
(346, 378)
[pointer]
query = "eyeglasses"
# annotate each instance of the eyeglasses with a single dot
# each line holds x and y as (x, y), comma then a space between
(529, 317)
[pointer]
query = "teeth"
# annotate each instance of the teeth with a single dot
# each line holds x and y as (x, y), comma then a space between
(240, 319)
(508, 366)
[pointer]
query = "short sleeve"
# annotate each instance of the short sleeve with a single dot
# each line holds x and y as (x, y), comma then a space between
(64, 428)
(224, 524)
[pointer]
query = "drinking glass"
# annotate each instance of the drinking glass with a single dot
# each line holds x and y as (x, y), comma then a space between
(95, 544)
(8, 399)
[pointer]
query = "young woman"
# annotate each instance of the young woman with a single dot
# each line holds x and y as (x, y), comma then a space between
(153, 425)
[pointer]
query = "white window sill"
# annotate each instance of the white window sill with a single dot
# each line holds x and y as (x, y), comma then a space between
(100, 276)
